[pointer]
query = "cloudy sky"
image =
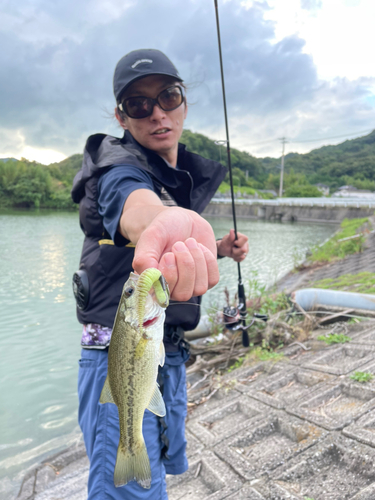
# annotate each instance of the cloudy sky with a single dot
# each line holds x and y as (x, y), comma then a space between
(300, 69)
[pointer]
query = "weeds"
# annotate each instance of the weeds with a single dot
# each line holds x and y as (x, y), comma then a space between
(334, 338)
(362, 377)
(338, 246)
(236, 364)
(263, 354)
(360, 283)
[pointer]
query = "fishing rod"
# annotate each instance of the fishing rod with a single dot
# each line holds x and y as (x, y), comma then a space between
(241, 289)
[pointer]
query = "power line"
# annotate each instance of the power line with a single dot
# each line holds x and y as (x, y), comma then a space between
(334, 137)
(314, 140)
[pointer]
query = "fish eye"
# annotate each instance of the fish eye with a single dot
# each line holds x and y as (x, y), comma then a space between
(129, 291)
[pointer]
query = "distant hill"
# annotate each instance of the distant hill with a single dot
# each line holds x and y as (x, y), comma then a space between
(24, 183)
(7, 159)
(349, 163)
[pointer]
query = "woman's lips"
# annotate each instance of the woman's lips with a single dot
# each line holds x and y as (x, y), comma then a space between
(161, 132)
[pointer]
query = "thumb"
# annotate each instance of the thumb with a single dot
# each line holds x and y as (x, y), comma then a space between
(148, 251)
(232, 235)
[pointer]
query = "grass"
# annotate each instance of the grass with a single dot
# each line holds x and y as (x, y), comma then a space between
(237, 364)
(334, 338)
(225, 188)
(362, 377)
(261, 354)
(361, 283)
(256, 354)
(333, 249)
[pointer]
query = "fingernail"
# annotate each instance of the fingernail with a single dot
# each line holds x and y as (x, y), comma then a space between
(179, 247)
(191, 244)
(169, 259)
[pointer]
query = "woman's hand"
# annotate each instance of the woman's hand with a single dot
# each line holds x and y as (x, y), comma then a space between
(228, 246)
(178, 242)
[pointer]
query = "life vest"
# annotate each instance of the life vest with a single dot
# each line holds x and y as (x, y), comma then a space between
(104, 266)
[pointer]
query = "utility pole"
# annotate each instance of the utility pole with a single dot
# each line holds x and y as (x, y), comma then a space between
(220, 143)
(283, 142)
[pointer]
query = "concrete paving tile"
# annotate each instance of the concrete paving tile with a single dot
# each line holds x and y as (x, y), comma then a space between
(281, 391)
(271, 490)
(363, 429)
(336, 468)
(340, 360)
(224, 394)
(255, 376)
(268, 444)
(208, 478)
(296, 355)
(336, 407)
(366, 337)
(193, 445)
(365, 494)
(70, 487)
(247, 492)
(226, 420)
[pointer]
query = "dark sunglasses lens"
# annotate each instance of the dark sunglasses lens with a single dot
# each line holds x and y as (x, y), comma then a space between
(170, 98)
(136, 107)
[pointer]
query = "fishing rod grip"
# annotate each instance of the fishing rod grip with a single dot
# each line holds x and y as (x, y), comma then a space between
(243, 313)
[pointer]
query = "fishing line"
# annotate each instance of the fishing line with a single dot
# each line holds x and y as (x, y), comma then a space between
(241, 289)
(235, 325)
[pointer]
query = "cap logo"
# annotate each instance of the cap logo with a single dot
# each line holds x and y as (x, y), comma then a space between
(140, 61)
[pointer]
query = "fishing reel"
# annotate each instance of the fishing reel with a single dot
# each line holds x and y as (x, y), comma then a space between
(235, 317)
(232, 318)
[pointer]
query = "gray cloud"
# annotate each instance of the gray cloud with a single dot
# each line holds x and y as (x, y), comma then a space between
(58, 59)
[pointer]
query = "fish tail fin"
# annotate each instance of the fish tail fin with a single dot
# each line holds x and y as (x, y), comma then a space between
(130, 466)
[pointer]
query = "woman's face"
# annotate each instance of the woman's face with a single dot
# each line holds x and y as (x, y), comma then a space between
(162, 130)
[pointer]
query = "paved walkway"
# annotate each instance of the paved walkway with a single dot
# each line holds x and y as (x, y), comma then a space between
(297, 429)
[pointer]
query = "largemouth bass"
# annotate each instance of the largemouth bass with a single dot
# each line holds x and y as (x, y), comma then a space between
(134, 354)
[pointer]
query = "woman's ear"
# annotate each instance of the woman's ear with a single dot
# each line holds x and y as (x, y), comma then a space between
(120, 119)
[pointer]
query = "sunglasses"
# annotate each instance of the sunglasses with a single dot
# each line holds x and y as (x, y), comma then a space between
(141, 107)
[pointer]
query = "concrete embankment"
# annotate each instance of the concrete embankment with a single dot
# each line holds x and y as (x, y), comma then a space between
(286, 211)
(350, 265)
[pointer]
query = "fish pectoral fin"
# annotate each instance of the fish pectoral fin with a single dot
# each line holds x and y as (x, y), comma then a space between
(156, 404)
(132, 466)
(162, 354)
(106, 395)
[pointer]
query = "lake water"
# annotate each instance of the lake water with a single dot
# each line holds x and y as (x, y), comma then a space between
(39, 340)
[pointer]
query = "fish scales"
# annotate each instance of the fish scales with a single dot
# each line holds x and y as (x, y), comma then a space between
(134, 355)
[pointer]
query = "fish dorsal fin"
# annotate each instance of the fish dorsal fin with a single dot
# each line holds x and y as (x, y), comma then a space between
(156, 404)
(106, 395)
(162, 354)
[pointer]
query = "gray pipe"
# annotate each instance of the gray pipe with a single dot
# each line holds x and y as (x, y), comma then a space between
(311, 298)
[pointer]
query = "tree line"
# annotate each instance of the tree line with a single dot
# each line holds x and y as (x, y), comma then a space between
(30, 184)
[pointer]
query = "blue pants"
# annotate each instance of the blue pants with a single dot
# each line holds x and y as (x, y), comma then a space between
(100, 426)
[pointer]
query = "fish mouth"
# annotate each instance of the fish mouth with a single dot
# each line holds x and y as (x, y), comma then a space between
(150, 322)
(153, 313)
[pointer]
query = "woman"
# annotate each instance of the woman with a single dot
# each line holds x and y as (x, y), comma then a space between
(140, 199)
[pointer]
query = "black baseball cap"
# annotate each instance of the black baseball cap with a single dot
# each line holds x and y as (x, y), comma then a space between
(138, 64)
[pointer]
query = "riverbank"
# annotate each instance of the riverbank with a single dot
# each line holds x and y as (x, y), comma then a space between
(298, 427)
(310, 273)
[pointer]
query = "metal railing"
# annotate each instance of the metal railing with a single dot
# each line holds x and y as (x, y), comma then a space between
(302, 202)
